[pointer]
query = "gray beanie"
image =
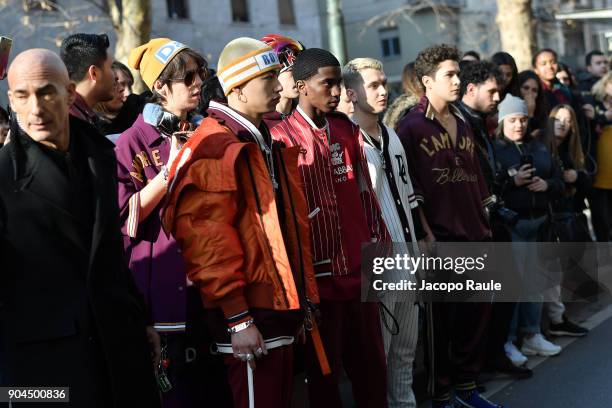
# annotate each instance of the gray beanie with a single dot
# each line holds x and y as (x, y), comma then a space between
(511, 105)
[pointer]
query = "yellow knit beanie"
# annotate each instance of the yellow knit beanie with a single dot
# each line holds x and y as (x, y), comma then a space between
(151, 58)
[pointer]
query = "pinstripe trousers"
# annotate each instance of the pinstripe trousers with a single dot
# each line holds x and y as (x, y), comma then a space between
(400, 343)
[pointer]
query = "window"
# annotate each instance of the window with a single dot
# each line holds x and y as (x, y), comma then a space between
(177, 9)
(285, 12)
(390, 42)
(39, 5)
(240, 11)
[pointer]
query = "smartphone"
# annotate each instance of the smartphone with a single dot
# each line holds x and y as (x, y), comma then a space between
(527, 159)
(5, 49)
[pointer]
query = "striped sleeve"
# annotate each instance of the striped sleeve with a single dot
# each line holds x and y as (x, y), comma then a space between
(369, 200)
(130, 180)
(131, 224)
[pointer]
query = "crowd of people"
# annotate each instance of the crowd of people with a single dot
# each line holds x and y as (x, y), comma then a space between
(199, 244)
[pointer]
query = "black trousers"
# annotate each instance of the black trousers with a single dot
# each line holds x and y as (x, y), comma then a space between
(501, 312)
(460, 332)
(75, 362)
(499, 327)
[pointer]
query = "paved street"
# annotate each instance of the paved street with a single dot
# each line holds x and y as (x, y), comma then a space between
(580, 377)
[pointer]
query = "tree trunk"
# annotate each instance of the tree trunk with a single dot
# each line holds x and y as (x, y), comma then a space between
(516, 28)
(132, 22)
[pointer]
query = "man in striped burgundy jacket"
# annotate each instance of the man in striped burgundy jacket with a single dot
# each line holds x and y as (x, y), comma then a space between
(344, 214)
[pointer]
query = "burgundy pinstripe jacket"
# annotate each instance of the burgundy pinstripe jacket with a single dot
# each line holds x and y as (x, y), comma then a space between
(343, 207)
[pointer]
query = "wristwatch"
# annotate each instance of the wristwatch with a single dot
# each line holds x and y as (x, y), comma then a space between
(512, 172)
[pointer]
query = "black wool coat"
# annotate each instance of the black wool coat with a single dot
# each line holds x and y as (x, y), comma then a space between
(70, 314)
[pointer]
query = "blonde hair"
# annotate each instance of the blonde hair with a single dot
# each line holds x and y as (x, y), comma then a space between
(351, 71)
(599, 89)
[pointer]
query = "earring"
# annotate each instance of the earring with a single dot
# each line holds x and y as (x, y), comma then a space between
(240, 96)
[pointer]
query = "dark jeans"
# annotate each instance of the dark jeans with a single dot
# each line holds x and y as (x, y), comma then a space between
(499, 329)
(501, 312)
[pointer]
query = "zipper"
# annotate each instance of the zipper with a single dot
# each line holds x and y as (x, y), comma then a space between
(260, 213)
(297, 231)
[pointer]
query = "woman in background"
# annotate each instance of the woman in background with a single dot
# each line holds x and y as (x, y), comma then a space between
(507, 66)
(413, 90)
(563, 141)
(145, 152)
(534, 180)
(530, 90)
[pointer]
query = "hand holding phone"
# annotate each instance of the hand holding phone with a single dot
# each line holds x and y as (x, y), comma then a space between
(523, 176)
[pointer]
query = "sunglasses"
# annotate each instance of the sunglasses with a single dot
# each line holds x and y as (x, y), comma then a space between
(190, 76)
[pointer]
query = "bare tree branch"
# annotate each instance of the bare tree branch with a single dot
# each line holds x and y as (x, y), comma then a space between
(407, 12)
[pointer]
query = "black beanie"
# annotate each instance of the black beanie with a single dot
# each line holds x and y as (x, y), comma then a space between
(310, 60)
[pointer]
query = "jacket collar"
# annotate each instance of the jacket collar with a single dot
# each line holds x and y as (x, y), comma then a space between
(150, 135)
(309, 121)
(237, 123)
(428, 110)
(470, 113)
(81, 110)
(99, 156)
(304, 120)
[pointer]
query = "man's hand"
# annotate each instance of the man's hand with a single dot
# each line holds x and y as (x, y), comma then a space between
(538, 185)
(155, 345)
(248, 342)
(427, 244)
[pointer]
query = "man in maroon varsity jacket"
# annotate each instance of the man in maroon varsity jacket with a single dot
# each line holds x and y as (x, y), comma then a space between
(344, 214)
(453, 197)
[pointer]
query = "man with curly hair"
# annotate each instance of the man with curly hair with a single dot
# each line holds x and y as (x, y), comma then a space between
(480, 84)
(442, 161)
(479, 98)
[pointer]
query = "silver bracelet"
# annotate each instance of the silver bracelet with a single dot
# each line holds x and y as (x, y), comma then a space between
(240, 327)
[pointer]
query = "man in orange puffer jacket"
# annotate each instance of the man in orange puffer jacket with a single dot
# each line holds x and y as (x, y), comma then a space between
(236, 208)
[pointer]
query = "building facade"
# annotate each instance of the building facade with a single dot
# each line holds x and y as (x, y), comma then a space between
(390, 30)
(205, 25)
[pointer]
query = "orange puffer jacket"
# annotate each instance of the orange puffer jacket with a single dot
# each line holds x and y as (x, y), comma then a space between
(222, 210)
